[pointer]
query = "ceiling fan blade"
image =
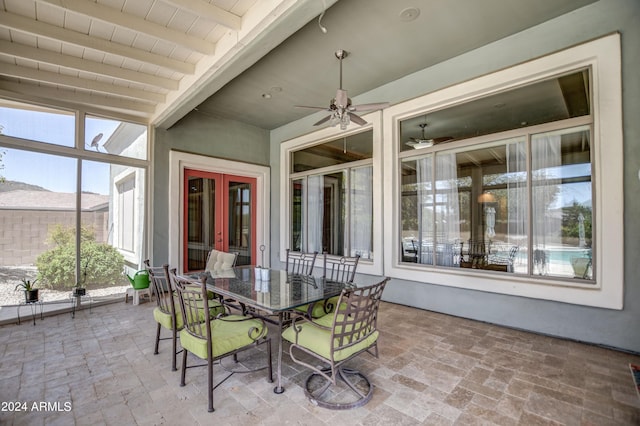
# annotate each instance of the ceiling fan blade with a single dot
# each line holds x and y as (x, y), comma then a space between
(357, 119)
(324, 120)
(369, 107)
(312, 107)
(443, 139)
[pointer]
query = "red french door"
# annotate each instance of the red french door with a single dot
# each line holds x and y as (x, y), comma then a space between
(219, 212)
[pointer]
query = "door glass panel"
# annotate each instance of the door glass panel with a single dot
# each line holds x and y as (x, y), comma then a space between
(297, 213)
(239, 226)
(200, 221)
(219, 215)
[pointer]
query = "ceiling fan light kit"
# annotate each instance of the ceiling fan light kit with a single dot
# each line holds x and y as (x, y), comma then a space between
(341, 111)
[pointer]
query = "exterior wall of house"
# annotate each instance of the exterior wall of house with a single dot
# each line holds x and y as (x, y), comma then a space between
(24, 233)
(615, 328)
(201, 134)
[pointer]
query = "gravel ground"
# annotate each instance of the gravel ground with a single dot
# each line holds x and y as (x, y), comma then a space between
(10, 276)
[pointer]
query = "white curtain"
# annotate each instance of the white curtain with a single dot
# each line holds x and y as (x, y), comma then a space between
(361, 212)
(315, 204)
(517, 203)
(424, 171)
(447, 209)
(545, 162)
(448, 206)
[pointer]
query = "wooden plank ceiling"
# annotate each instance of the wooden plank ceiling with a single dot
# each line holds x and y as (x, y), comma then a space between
(135, 58)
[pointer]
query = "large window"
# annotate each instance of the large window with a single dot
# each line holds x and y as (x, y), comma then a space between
(511, 183)
(470, 208)
(332, 199)
(71, 210)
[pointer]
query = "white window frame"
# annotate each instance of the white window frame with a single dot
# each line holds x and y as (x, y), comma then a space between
(604, 58)
(124, 177)
(374, 122)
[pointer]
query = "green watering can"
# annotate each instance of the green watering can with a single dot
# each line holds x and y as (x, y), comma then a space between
(140, 280)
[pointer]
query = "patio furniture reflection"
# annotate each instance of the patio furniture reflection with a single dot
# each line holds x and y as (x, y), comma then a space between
(488, 255)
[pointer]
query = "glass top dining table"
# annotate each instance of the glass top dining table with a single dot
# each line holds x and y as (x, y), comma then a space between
(281, 291)
(276, 295)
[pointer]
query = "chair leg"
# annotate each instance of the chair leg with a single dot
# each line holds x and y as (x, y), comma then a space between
(357, 384)
(184, 367)
(175, 348)
(155, 352)
(210, 367)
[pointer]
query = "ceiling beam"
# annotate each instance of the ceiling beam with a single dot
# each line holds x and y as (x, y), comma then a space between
(52, 32)
(79, 83)
(120, 19)
(79, 64)
(210, 12)
(33, 91)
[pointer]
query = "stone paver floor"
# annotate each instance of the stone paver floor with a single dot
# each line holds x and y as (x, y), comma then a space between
(433, 369)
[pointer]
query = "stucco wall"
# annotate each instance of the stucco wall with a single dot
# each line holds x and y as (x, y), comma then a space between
(206, 135)
(613, 328)
(201, 134)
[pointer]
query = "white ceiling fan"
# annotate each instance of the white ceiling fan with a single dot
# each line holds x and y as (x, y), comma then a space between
(341, 110)
(421, 142)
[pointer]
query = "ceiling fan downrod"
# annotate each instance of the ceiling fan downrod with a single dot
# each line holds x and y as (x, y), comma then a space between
(341, 54)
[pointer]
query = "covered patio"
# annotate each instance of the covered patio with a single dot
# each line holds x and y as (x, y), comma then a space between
(491, 175)
(99, 368)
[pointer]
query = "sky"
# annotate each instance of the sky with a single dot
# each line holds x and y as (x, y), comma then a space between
(54, 173)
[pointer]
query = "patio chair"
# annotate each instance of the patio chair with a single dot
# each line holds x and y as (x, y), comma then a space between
(166, 312)
(334, 340)
(476, 255)
(338, 269)
(215, 338)
(300, 263)
(502, 258)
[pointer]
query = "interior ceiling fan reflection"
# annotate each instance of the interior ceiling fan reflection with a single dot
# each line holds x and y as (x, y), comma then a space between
(423, 142)
(341, 110)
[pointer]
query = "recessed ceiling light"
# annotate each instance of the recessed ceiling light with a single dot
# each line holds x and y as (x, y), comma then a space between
(409, 14)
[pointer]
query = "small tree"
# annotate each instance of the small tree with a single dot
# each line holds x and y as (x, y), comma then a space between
(101, 262)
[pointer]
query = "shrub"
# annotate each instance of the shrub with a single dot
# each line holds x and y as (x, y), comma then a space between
(101, 264)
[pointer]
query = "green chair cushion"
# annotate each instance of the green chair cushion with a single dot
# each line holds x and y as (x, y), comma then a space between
(318, 340)
(317, 311)
(318, 308)
(227, 334)
(164, 319)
